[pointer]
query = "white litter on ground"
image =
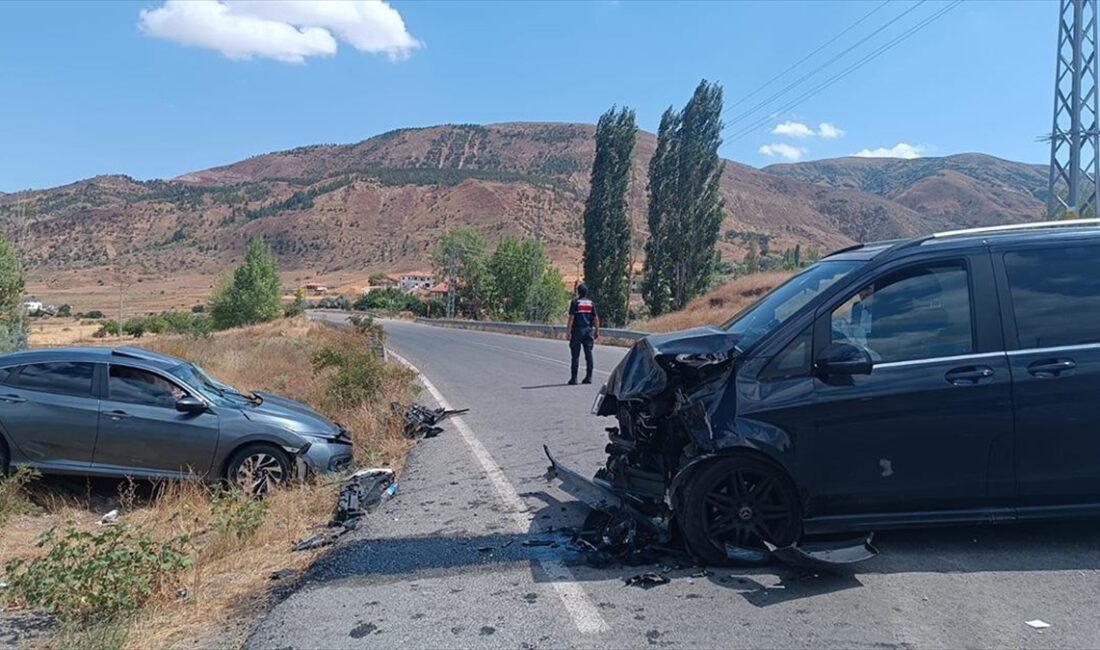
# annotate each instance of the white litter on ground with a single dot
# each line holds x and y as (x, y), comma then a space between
(1038, 625)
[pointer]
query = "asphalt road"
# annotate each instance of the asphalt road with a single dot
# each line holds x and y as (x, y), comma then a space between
(443, 564)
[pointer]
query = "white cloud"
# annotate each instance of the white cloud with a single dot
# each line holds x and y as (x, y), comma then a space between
(829, 131)
(783, 151)
(793, 129)
(899, 150)
(284, 30)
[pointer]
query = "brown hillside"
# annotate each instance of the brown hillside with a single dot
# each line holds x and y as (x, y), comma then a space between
(339, 212)
(967, 189)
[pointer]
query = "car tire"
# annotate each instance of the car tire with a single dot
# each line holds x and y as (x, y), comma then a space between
(258, 469)
(721, 505)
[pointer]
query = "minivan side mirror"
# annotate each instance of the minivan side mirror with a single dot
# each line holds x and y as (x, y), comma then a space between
(190, 405)
(843, 359)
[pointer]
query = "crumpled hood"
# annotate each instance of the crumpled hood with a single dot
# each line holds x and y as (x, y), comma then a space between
(644, 372)
(289, 414)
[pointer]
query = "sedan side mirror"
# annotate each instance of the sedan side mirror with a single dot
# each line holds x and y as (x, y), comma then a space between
(843, 359)
(190, 405)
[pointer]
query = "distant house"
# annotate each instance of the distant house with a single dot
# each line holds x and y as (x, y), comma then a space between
(438, 290)
(415, 280)
(315, 289)
(33, 306)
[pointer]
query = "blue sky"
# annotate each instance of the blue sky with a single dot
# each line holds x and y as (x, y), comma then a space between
(87, 89)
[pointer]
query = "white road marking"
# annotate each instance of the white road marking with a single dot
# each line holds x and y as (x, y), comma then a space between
(581, 609)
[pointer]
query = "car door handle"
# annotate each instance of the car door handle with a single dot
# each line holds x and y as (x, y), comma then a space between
(968, 375)
(118, 415)
(12, 399)
(1051, 367)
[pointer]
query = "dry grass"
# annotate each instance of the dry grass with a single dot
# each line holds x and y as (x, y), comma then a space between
(229, 580)
(716, 307)
(48, 332)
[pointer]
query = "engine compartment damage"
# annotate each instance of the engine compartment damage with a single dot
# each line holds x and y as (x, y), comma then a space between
(674, 399)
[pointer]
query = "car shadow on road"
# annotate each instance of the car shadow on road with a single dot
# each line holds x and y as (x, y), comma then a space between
(540, 386)
(960, 550)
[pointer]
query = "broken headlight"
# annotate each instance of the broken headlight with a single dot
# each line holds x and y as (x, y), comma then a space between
(701, 360)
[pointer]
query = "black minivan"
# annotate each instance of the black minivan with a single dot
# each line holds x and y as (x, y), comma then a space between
(953, 378)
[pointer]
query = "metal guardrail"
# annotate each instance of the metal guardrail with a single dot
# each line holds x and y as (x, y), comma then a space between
(556, 331)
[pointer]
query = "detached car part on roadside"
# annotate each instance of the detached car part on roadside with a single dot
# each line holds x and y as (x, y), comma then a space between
(133, 412)
(898, 384)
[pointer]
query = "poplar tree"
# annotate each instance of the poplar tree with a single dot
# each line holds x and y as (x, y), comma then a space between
(606, 220)
(686, 207)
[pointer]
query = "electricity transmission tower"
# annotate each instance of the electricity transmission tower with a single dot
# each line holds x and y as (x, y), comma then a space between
(1075, 137)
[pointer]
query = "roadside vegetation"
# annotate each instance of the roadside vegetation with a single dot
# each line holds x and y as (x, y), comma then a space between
(180, 560)
(187, 559)
(515, 282)
(718, 305)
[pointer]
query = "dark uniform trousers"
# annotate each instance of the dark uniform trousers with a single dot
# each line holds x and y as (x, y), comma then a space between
(581, 340)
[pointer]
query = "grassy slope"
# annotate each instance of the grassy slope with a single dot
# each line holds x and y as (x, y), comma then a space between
(716, 306)
(230, 575)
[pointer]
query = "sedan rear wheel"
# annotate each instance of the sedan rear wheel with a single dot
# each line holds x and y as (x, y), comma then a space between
(741, 502)
(258, 469)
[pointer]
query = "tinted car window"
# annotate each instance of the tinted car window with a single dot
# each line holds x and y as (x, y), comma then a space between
(138, 386)
(792, 361)
(1055, 295)
(918, 313)
(63, 377)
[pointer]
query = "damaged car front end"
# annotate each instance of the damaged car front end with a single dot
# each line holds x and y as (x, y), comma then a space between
(681, 456)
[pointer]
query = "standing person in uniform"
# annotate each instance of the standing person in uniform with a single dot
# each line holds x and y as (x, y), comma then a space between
(584, 330)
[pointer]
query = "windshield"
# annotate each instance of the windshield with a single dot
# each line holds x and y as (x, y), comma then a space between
(771, 311)
(212, 389)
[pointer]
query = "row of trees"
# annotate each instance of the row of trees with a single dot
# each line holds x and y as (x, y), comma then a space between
(514, 282)
(685, 207)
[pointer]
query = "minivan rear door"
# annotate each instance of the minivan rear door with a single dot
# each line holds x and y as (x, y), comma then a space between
(1051, 302)
(50, 412)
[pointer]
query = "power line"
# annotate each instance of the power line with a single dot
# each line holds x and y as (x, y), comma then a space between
(807, 57)
(847, 71)
(744, 114)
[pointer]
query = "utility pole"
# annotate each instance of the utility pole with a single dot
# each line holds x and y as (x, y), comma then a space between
(1075, 134)
(451, 279)
(121, 285)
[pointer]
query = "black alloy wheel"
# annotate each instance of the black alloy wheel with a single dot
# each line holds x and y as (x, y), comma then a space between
(739, 501)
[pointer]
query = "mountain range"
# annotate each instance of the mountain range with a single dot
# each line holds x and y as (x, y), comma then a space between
(345, 211)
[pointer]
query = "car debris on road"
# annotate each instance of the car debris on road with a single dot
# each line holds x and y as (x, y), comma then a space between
(616, 532)
(421, 421)
(646, 580)
(361, 492)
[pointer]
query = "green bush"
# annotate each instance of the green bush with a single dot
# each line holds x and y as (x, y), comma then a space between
(108, 328)
(170, 322)
(95, 314)
(356, 374)
(252, 293)
(236, 514)
(13, 498)
(97, 575)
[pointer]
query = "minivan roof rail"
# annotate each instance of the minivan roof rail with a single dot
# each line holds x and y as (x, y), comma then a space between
(1064, 223)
